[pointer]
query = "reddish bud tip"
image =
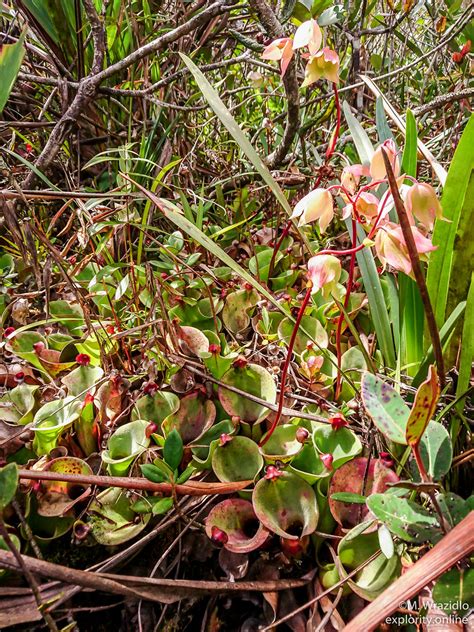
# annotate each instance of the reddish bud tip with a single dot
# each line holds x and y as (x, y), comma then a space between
(164, 275)
(29, 147)
(216, 349)
(248, 287)
(88, 399)
(386, 459)
(240, 362)
(83, 359)
(150, 429)
(218, 536)
(19, 377)
(8, 332)
(72, 260)
(301, 435)
(338, 421)
(327, 459)
(39, 347)
(110, 329)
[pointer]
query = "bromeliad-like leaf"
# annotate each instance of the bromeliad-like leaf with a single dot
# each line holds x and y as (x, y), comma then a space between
(423, 408)
(386, 408)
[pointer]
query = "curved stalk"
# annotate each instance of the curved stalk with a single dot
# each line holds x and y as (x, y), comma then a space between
(284, 372)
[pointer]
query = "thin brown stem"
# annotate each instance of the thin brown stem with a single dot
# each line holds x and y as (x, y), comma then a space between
(417, 271)
(28, 576)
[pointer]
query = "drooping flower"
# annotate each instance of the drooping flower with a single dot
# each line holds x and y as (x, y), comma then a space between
(308, 34)
(317, 205)
(280, 50)
(351, 175)
(83, 359)
(377, 165)
(367, 205)
(422, 202)
(324, 64)
(391, 247)
(338, 421)
(324, 272)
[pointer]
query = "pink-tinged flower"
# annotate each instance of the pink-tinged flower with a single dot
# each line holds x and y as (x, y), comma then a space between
(367, 205)
(308, 34)
(324, 272)
(323, 64)
(391, 247)
(272, 473)
(8, 332)
(377, 165)
(422, 202)
(327, 459)
(317, 205)
(351, 176)
(224, 439)
(280, 50)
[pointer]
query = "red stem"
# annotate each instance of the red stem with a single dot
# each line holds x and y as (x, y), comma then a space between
(284, 372)
(335, 138)
(277, 247)
(415, 447)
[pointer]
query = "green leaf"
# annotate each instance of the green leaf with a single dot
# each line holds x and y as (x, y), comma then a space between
(455, 590)
(11, 57)
(8, 484)
(383, 130)
(377, 301)
(349, 497)
(467, 348)
(153, 473)
(405, 518)
(364, 147)
(173, 449)
(423, 408)
(456, 204)
(241, 139)
(445, 333)
(342, 444)
(410, 153)
(162, 506)
(386, 542)
(386, 408)
(436, 450)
